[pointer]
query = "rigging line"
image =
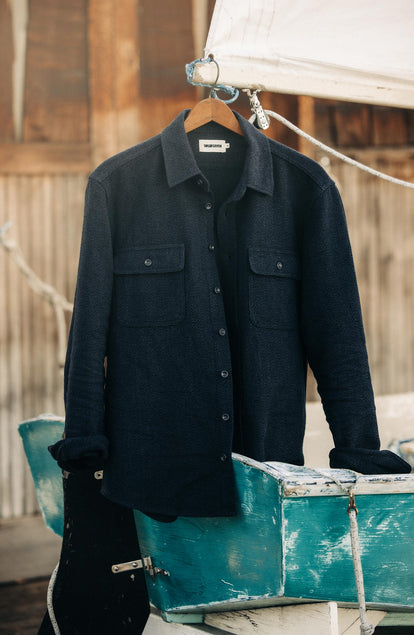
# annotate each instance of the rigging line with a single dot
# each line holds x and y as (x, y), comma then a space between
(365, 627)
(335, 153)
(50, 608)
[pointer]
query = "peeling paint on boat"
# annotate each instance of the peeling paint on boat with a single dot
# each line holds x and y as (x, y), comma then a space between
(297, 544)
(288, 543)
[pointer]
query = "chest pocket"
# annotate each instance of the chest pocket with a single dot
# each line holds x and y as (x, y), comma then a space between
(149, 285)
(273, 288)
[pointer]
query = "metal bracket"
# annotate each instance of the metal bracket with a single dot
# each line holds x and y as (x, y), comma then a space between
(351, 503)
(143, 563)
(262, 119)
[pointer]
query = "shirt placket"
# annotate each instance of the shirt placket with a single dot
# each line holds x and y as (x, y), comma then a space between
(220, 337)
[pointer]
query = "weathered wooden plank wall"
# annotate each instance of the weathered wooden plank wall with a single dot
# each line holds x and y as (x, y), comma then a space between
(46, 212)
(56, 82)
(381, 225)
(75, 97)
(92, 82)
(380, 218)
(6, 103)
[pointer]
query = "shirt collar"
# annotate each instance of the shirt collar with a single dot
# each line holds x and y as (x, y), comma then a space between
(181, 165)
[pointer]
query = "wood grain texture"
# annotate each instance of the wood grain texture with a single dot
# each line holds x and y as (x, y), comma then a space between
(166, 45)
(56, 91)
(353, 124)
(14, 457)
(46, 213)
(285, 105)
(349, 622)
(381, 226)
(346, 125)
(212, 110)
(114, 77)
(6, 78)
(22, 607)
(389, 126)
(306, 121)
(410, 126)
(312, 619)
(157, 626)
(44, 158)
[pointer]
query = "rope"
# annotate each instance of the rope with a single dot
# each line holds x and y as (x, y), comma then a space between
(337, 482)
(46, 291)
(365, 627)
(335, 153)
(230, 90)
(50, 600)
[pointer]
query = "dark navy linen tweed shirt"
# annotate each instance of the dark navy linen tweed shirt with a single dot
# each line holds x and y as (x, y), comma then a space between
(208, 280)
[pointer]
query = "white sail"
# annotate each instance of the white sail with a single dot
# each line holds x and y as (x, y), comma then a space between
(340, 49)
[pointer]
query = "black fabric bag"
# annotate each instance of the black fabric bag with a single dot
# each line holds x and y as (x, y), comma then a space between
(88, 598)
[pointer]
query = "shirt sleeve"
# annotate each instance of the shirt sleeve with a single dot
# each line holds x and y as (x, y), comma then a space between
(85, 444)
(334, 339)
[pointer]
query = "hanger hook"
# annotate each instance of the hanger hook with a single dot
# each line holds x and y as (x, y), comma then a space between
(213, 88)
(230, 90)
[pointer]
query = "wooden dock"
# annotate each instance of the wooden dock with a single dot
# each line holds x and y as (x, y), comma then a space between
(28, 554)
(22, 606)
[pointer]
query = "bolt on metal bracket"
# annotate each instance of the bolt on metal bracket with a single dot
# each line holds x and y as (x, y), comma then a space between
(142, 563)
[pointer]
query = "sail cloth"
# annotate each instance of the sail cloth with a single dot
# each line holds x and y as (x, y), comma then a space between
(340, 49)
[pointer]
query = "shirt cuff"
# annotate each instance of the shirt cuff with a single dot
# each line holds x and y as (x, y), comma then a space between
(80, 453)
(368, 461)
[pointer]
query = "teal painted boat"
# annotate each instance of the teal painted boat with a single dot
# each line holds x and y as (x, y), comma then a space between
(36, 435)
(289, 542)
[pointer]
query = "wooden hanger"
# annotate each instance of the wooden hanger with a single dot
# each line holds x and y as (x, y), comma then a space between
(212, 110)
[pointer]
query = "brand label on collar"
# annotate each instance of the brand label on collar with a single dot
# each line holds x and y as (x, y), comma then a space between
(212, 145)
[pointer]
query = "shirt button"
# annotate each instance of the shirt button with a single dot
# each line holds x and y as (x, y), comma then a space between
(211, 247)
(225, 416)
(208, 205)
(148, 262)
(200, 182)
(279, 265)
(222, 332)
(217, 290)
(224, 373)
(223, 458)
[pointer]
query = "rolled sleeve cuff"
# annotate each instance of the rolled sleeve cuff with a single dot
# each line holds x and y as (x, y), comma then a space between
(80, 453)
(368, 461)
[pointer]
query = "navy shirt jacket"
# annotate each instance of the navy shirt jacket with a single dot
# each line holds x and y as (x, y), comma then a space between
(207, 282)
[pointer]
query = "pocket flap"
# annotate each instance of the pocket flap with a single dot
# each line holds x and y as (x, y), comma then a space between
(266, 262)
(150, 259)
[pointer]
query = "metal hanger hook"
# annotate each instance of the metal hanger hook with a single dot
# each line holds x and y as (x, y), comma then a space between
(230, 90)
(213, 88)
